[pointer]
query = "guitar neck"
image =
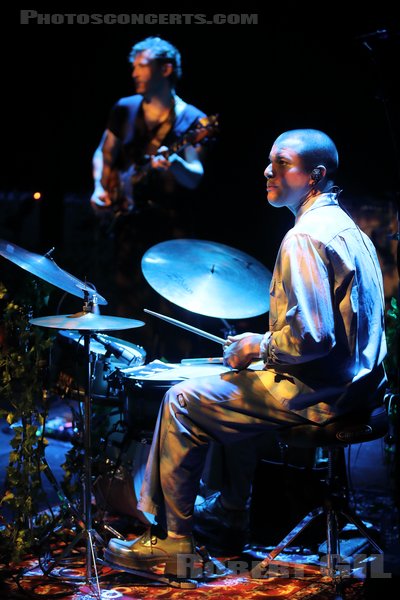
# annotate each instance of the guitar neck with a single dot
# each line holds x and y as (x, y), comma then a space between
(200, 134)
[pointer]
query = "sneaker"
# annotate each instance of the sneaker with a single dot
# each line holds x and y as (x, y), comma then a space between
(151, 549)
(222, 530)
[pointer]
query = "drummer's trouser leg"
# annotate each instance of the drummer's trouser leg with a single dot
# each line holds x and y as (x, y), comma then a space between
(227, 408)
(235, 468)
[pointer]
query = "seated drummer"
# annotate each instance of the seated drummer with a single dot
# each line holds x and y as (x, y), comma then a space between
(322, 357)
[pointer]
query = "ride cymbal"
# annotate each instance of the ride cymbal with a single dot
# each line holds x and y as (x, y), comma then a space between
(208, 278)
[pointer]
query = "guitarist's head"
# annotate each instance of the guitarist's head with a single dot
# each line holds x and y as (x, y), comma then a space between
(158, 55)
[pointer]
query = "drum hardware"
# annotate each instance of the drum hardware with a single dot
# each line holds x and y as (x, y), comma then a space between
(86, 322)
(69, 373)
(119, 351)
(120, 468)
(46, 268)
(114, 384)
(228, 328)
(197, 275)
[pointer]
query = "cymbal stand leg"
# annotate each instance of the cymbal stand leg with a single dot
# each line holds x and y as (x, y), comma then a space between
(92, 561)
(85, 521)
(87, 469)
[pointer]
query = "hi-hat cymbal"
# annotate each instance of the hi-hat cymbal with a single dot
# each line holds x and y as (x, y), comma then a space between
(45, 268)
(208, 278)
(86, 322)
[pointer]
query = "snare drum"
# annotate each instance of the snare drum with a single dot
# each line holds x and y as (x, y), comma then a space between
(145, 387)
(72, 366)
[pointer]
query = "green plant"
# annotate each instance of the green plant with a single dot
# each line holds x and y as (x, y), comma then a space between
(392, 336)
(393, 397)
(23, 360)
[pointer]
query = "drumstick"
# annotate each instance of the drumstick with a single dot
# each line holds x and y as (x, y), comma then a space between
(209, 336)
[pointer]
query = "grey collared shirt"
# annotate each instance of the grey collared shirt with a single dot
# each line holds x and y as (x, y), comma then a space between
(326, 321)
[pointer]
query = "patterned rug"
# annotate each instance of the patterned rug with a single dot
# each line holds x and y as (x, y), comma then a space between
(27, 580)
(52, 576)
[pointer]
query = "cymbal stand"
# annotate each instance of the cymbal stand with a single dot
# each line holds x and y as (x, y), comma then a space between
(86, 523)
(228, 329)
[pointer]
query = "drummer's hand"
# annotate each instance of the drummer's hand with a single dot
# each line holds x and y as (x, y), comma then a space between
(100, 200)
(241, 350)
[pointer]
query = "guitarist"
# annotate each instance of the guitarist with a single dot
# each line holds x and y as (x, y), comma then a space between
(144, 210)
(140, 126)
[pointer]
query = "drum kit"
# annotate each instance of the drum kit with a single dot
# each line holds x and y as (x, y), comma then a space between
(204, 277)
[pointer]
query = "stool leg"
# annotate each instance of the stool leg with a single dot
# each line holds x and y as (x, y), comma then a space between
(304, 523)
(362, 529)
(332, 528)
(332, 538)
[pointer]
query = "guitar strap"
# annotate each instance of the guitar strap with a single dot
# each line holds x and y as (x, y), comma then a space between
(165, 127)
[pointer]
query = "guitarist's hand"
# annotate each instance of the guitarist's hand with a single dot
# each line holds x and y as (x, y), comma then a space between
(100, 200)
(159, 161)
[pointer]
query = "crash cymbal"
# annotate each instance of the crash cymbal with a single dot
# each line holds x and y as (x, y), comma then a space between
(86, 322)
(45, 268)
(208, 278)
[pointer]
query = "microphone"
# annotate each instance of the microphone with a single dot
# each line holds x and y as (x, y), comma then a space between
(111, 347)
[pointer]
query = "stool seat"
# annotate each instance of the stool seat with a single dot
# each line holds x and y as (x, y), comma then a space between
(352, 428)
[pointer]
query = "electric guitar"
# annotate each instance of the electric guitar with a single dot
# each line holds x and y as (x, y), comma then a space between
(121, 183)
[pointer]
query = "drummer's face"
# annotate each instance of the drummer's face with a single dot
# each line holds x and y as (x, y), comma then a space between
(287, 180)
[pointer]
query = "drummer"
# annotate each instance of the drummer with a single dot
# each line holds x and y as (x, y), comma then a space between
(322, 357)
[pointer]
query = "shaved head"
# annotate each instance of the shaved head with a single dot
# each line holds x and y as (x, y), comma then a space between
(313, 146)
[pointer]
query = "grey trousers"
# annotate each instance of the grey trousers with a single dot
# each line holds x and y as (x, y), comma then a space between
(228, 408)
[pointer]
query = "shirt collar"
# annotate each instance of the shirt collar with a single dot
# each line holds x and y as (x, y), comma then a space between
(330, 199)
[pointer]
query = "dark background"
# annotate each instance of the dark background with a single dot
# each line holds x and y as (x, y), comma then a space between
(299, 67)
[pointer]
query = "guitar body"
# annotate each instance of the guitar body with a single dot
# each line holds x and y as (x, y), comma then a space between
(121, 183)
(120, 189)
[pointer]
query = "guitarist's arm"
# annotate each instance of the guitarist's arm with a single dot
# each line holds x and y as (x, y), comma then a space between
(103, 161)
(187, 170)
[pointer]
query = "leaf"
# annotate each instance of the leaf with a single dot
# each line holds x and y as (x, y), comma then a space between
(14, 457)
(7, 497)
(10, 418)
